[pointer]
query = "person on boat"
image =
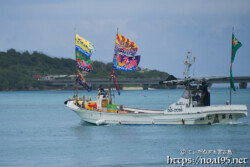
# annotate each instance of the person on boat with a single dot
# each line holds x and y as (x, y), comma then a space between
(101, 91)
(205, 96)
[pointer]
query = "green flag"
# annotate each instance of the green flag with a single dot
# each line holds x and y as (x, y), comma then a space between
(235, 46)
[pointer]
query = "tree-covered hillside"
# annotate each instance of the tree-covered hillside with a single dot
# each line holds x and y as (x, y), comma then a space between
(17, 70)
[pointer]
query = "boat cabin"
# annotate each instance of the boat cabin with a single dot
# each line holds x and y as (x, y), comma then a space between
(103, 98)
(196, 96)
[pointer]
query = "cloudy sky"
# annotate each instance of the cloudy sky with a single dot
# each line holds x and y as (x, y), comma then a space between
(164, 30)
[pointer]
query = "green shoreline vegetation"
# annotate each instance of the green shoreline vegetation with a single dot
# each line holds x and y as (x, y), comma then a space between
(20, 71)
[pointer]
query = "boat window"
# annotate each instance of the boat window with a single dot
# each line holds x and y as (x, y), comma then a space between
(223, 116)
(230, 116)
(209, 117)
(185, 94)
(196, 97)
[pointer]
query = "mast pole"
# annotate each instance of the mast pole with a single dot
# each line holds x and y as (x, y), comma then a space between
(231, 69)
(114, 48)
(76, 67)
(115, 44)
(113, 60)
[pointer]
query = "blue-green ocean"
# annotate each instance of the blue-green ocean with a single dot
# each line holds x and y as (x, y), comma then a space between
(37, 130)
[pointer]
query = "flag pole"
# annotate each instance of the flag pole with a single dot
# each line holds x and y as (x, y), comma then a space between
(76, 65)
(230, 92)
(113, 70)
(115, 44)
(114, 47)
(231, 68)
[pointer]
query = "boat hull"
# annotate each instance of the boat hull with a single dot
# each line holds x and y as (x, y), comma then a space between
(199, 116)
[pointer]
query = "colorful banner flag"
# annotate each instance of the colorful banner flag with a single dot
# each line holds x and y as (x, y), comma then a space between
(84, 46)
(82, 81)
(84, 50)
(84, 84)
(235, 46)
(124, 57)
(125, 45)
(125, 63)
(83, 62)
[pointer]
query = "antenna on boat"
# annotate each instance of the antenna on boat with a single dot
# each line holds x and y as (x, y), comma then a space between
(188, 64)
(194, 58)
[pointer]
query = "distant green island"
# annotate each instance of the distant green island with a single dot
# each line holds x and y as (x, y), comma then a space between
(21, 71)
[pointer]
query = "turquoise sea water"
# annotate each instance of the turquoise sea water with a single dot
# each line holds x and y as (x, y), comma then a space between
(36, 129)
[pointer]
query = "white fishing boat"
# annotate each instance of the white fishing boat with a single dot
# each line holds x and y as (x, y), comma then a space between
(191, 109)
(188, 110)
